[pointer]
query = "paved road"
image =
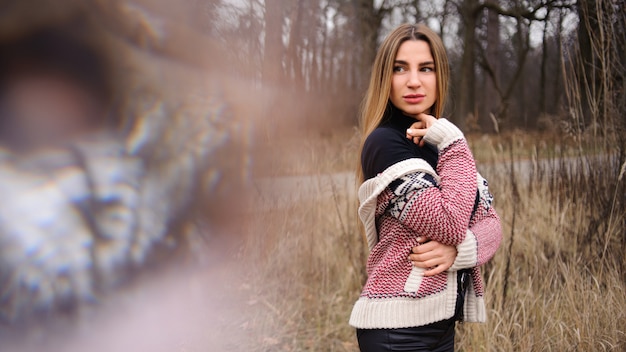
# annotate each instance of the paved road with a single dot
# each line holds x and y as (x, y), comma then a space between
(280, 192)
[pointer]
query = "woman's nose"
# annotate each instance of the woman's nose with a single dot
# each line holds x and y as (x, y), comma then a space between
(414, 80)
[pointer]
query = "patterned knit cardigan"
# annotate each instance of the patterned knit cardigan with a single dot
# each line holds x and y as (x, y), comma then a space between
(409, 200)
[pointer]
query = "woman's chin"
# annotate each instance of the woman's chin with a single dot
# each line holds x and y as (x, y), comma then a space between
(412, 111)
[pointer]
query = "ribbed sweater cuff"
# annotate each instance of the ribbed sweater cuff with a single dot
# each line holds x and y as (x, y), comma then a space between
(467, 253)
(442, 133)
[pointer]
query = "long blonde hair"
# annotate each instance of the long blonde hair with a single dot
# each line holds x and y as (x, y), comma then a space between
(376, 105)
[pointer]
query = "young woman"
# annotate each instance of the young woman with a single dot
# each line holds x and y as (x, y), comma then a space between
(427, 213)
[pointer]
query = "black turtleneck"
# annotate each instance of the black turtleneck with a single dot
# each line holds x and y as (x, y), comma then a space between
(388, 145)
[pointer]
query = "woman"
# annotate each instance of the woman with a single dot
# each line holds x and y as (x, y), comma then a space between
(427, 213)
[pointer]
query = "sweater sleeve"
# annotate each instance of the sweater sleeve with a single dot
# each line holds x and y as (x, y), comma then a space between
(484, 235)
(439, 210)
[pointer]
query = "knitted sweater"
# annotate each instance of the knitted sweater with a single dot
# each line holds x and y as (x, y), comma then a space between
(410, 199)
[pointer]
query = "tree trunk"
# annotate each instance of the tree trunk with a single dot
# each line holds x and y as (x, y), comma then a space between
(367, 21)
(444, 19)
(273, 43)
(295, 40)
(418, 13)
(469, 14)
(588, 24)
(544, 66)
(558, 81)
(490, 94)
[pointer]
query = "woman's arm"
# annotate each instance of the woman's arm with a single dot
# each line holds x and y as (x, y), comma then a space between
(479, 246)
(484, 234)
(439, 210)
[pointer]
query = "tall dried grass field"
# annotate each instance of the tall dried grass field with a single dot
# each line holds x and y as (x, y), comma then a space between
(557, 283)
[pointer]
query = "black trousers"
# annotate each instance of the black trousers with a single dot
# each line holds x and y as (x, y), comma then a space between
(435, 337)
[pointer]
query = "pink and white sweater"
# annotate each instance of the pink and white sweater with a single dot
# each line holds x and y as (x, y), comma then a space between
(408, 200)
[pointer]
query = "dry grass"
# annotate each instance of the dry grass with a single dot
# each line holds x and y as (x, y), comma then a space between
(560, 296)
(316, 153)
(565, 289)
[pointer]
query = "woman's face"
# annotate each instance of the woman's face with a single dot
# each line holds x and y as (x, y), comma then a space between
(414, 81)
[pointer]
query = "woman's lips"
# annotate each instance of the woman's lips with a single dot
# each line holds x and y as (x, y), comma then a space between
(414, 98)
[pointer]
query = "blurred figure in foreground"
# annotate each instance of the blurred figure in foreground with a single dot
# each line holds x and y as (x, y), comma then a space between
(54, 97)
(86, 195)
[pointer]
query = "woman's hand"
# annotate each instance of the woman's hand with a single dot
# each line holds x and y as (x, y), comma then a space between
(418, 130)
(433, 256)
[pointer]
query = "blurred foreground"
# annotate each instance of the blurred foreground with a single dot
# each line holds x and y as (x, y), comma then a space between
(119, 157)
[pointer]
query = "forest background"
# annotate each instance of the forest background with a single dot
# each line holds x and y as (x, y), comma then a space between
(537, 86)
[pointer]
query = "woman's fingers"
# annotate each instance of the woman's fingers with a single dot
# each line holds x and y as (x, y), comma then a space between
(418, 125)
(412, 133)
(429, 263)
(434, 256)
(426, 120)
(426, 246)
(421, 240)
(418, 130)
(428, 259)
(436, 270)
(421, 258)
(434, 266)
(416, 139)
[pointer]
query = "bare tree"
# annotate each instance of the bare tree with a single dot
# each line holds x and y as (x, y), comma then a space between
(326, 46)
(273, 43)
(490, 96)
(469, 11)
(367, 19)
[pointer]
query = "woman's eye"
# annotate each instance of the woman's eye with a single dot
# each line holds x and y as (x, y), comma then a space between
(398, 69)
(428, 69)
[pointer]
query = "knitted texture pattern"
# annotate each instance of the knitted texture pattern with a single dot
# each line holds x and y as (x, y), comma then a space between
(409, 200)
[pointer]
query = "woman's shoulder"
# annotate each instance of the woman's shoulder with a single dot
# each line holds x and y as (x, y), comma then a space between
(383, 135)
(386, 140)
(384, 147)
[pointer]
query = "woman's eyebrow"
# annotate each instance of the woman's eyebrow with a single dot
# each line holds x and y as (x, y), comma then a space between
(421, 64)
